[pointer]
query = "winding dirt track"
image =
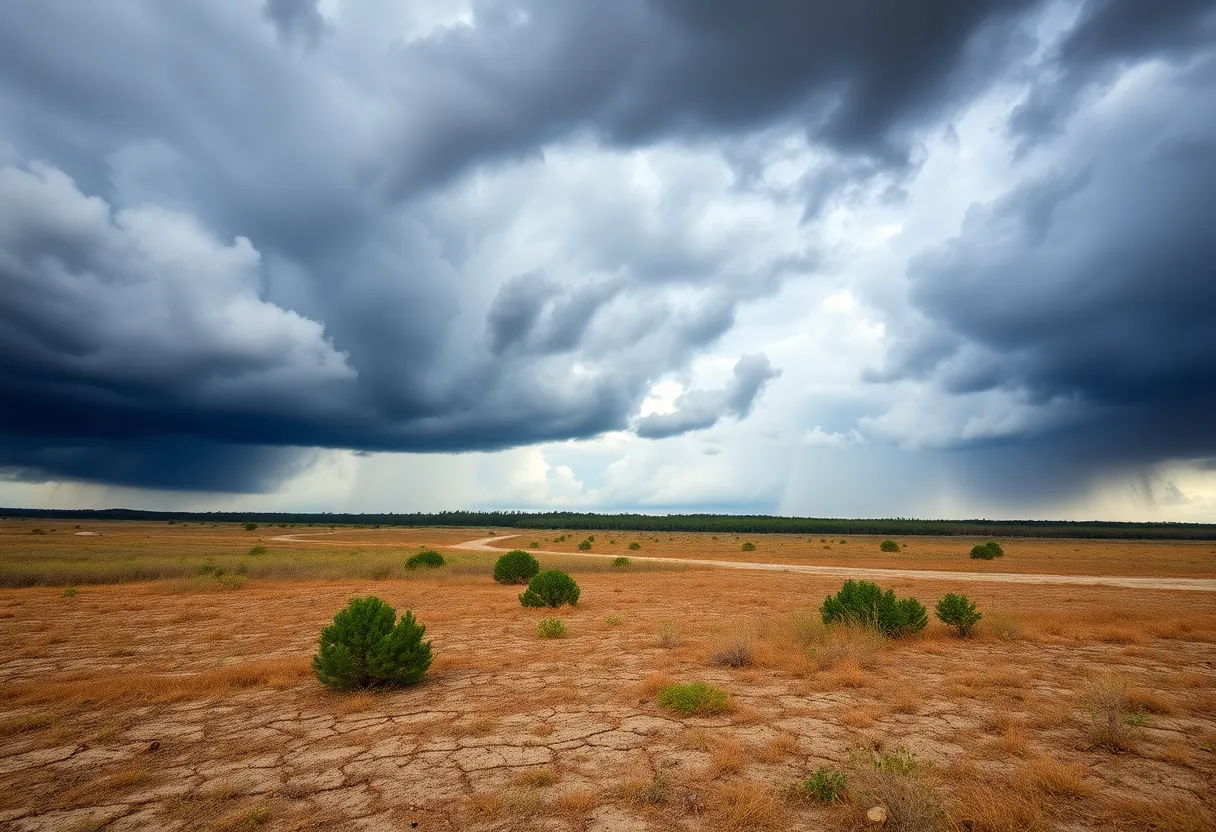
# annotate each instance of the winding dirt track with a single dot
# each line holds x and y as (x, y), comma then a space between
(483, 545)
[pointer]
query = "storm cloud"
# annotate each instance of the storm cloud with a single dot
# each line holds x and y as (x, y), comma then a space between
(234, 233)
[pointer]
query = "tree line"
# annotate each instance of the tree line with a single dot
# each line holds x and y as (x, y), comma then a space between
(668, 523)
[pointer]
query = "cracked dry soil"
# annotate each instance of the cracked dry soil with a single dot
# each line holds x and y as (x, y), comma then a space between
(132, 707)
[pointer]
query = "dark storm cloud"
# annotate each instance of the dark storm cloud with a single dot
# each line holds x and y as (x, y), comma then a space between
(857, 76)
(700, 409)
(1110, 35)
(214, 241)
(1092, 288)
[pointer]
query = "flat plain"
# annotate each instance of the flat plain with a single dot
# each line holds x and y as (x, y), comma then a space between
(157, 676)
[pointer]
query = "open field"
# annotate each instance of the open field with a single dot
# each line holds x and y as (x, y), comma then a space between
(188, 702)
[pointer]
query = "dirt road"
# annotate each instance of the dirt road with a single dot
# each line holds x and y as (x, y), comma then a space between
(484, 545)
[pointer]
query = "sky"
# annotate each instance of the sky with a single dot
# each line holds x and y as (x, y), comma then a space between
(852, 258)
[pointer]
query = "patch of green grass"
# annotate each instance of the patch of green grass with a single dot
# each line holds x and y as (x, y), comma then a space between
(551, 628)
(825, 785)
(694, 699)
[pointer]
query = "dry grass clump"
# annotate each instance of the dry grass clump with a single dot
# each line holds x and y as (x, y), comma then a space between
(745, 805)
(669, 635)
(1049, 776)
(129, 686)
(729, 756)
(849, 643)
(1111, 717)
(734, 650)
(1159, 813)
(981, 805)
(902, 784)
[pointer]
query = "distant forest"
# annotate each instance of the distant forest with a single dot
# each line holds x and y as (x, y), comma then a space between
(721, 523)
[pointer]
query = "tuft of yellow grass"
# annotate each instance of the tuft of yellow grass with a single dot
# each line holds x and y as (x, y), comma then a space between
(741, 805)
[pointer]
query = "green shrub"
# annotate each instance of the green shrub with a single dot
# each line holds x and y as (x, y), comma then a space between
(551, 588)
(363, 648)
(591, 538)
(825, 785)
(551, 628)
(613, 621)
(844, 541)
(620, 563)
(249, 527)
(864, 604)
(749, 547)
(634, 546)
(534, 545)
(987, 551)
(515, 567)
(427, 557)
(37, 531)
(70, 592)
(959, 612)
(257, 550)
(889, 546)
(584, 546)
(694, 699)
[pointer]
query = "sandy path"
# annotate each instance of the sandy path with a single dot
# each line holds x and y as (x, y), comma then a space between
(484, 545)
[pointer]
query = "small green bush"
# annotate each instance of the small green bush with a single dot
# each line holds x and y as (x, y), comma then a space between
(620, 563)
(250, 527)
(694, 699)
(613, 621)
(987, 551)
(889, 546)
(363, 648)
(70, 592)
(749, 547)
(958, 611)
(515, 567)
(591, 538)
(825, 785)
(534, 545)
(844, 541)
(428, 558)
(551, 588)
(257, 550)
(863, 603)
(634, 546)
(584, 546)
(551, 628)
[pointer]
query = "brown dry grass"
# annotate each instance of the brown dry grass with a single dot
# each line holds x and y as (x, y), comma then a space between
(558, 736)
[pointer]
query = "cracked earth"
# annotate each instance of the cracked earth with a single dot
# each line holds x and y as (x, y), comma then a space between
(135, 707)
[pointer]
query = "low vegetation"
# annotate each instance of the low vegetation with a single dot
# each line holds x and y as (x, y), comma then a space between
(634, 546)
(748, 547)
(551, 628)
(863, 603)
(889, 546)
(367, 647)
(427, 558)
(620, 563)
(1114, 724)
(958, 611)
(824, 785)
(516, 567)
(694, 699)
(551, 588)
(987, 551)
(902, 785)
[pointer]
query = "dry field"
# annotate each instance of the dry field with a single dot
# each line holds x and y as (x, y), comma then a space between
(187, 702)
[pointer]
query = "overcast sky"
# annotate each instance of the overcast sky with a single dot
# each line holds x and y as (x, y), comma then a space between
(951, 258)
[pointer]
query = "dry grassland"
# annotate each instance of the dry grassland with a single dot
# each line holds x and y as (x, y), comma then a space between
(188, 703)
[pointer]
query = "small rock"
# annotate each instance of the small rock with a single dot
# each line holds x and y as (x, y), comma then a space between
(877, 815)
(154, 745)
